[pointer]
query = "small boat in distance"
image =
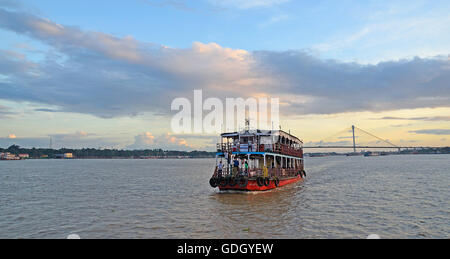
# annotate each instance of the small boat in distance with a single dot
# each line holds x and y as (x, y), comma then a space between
(375, 154)
(258, 160)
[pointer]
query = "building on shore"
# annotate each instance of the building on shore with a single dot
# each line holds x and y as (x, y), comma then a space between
(24, 156)
(68, 155)
(64, 156)
(8, 156)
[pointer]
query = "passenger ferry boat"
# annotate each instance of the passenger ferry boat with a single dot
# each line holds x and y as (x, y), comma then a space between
(258, 160)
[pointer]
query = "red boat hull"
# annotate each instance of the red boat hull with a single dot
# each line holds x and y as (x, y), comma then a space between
(253, 186)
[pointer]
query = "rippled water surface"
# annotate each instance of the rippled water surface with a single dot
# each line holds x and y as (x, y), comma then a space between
(343, 197)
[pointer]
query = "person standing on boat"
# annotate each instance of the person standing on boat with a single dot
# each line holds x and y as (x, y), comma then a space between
(246, 167)
(220, 169)
(236, 167)
(227, 157)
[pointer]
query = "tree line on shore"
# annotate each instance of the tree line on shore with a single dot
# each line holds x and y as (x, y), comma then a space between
(105, 153)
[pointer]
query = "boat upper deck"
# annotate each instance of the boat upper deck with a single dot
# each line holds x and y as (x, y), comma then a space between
(251, 141)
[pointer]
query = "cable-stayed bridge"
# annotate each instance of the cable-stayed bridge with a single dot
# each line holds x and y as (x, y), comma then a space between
(357, 132)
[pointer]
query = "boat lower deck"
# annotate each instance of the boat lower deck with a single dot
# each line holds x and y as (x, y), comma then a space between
(254, 185)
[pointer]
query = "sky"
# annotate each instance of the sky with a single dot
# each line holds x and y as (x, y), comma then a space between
(103, 74)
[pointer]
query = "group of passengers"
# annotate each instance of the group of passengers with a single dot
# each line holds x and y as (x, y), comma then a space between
(234, 167)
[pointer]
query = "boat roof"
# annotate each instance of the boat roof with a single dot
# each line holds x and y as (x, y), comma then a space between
(257, 132)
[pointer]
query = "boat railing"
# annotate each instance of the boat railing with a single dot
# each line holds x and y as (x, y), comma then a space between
(276, 148)
(288, 150)
(227, 171)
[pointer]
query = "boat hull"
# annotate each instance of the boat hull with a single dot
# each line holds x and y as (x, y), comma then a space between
(253, 186)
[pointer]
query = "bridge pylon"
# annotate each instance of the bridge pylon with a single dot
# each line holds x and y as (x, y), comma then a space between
(354, 142)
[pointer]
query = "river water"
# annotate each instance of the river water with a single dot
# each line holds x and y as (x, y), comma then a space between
(404, 196)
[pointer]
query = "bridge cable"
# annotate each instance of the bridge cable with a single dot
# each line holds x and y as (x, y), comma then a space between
(377, 137)
(337, 134)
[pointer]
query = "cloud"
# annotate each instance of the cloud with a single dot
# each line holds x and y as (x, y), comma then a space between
(432, 131)
(409, 141)
(80, 139)
(46, 110)
(274, 19)
(107, 76)
(146, 140)
(398, 30)
(6, 112)
(76, 135)
(432, 118)
(328, 86)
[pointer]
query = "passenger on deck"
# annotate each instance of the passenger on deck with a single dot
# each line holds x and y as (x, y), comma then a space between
(246, 167)
(236, 167)
(220, 169)
(225, 154)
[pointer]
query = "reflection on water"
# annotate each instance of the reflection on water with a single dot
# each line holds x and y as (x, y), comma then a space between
(343, 197)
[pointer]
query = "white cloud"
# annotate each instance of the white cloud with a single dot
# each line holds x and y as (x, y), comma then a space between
(395, 32)
(274, 19)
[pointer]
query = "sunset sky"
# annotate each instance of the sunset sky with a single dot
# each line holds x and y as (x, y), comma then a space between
(104, 73)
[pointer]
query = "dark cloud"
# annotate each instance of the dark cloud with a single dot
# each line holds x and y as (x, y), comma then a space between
(432, 131)
(432, 118)
(46, 110)
(107, 76)
(330, 86)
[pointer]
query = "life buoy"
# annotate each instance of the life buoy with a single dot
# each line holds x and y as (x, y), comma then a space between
(232, 182)
(243, 182)
(213, 182)
(277, 182)
(260, 181)
(267, 182)
(223, 182)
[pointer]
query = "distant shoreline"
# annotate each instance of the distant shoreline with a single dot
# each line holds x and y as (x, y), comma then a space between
(108, 158)
(15, 152)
